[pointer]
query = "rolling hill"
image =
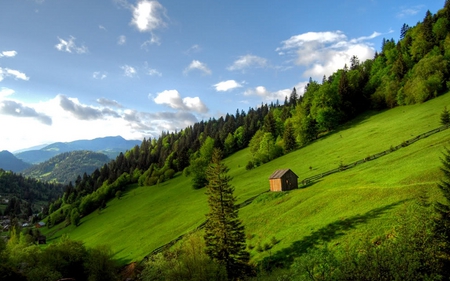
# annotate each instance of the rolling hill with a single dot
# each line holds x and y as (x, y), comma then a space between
(9, 162)
(366, 201)
(110, 146)
(67, 166)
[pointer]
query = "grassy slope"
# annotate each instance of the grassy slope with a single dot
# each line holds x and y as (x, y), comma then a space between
(362, 202)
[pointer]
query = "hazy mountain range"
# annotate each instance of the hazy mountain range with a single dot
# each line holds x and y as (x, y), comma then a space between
(19, 161)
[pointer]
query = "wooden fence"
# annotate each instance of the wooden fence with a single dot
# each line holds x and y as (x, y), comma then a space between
(375, 156)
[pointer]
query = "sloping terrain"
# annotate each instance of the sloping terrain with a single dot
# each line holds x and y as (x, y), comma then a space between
(9, 162)
(363, 202)
(66, 167)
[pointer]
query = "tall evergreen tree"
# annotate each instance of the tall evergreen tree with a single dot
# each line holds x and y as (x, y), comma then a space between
(443, 225)
(445, 117)
(224, 232)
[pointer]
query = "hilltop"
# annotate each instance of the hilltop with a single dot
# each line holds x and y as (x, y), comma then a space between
(9, 162)
(110, 146)
(67, 167)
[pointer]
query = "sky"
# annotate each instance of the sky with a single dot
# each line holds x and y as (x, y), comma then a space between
(83, 69)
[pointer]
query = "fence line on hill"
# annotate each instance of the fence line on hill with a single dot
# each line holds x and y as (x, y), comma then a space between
(307, 181)
(375, 156)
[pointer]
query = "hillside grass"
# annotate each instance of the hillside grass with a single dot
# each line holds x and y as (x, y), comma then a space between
(364, 202)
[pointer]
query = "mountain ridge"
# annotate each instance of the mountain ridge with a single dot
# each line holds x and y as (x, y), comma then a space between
(111, 146)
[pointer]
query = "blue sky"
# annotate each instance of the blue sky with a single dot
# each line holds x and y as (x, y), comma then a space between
(81, 69)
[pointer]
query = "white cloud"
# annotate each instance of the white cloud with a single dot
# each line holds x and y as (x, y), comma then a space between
(409, 11)
(154, 40)
(148, 16)
(8, 54)
(121, 40)
(7, 72)
(173, 99)
(129, 71)
(109, 103)
(248, 61)
(99, 75)
(322, 53)
(69, 46)
(193, 49)
(195, 64)
(154, 72)
(102, 27)
(17, 109)
(4, 92)
(226, 85)
(261, 91)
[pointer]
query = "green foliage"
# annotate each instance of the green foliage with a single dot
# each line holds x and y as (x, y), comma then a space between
(200, 163)
(187, 261)
(75, 217)
(224, 232)
(445, 116)
(427, 79)
(65, 167)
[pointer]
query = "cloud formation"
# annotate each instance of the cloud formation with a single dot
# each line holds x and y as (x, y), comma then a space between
(99, 75)
(248, 61)
(227, 85)
(173, 99)
(154, 72)
(121, 40)
(85, 112)
(8, 54)
(409, 11)
(197, 65)
(16, 74)
(108, 102)
(147, 16)
(322, 53)
(129, 71)
(4, 92)
(12, 108)
(261, 91)
(69, 46)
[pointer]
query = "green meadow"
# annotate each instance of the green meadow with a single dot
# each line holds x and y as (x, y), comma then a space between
(364, 202)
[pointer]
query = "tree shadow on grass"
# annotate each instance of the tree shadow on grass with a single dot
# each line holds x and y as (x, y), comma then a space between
(285, 257)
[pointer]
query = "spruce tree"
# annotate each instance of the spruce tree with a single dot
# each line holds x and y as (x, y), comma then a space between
(445, 117)
(443, 223)
(224, 232)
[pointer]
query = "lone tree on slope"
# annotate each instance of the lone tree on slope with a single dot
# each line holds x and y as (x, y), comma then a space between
(443, 224)
(445, 116)
(224, 232)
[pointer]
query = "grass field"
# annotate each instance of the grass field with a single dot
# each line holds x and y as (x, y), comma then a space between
(363, 202)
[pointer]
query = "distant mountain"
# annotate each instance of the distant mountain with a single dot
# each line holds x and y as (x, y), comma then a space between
(110, 146)
(9, 162)
(66, 167)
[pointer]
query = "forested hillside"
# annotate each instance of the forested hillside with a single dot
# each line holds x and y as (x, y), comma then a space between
(67, 167)
(23, 195)
(411, 70)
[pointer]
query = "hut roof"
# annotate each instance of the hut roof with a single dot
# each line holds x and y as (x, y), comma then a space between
(279, 173)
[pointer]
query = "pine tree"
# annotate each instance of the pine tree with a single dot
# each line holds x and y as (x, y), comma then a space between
(443, 209)
(445, 117)
(224, 232)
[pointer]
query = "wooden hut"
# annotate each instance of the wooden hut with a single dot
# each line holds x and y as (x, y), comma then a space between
(283, 180)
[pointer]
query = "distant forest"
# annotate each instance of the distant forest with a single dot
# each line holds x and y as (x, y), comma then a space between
(25, 195)
(411, 70)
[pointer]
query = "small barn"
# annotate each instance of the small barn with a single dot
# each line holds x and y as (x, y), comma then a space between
(283, 180)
